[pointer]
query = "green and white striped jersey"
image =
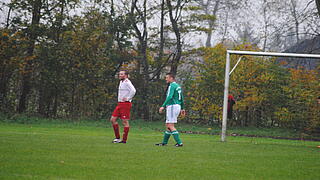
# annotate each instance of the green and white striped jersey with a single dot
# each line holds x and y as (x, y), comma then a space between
(174, 95)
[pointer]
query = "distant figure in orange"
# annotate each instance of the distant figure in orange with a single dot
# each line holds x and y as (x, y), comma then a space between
(231, 102)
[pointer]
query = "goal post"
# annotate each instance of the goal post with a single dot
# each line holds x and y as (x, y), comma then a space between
(227, 75)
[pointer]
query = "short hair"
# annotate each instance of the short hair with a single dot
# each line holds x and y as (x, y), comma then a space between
(171, 75)
(125, 72)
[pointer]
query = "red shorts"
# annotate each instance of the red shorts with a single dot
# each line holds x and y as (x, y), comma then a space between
(122, 110)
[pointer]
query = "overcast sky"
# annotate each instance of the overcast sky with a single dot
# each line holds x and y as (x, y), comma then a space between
(237, 19)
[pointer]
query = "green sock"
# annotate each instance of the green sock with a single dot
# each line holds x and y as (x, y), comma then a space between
(176, 137)
(166, 137)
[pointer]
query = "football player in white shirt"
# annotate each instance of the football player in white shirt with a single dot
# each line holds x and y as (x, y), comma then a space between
(125, 94)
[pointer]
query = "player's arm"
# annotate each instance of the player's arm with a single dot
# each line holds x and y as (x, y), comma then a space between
(132, 90)
(183, 111)
(169, 96)
(182, 101)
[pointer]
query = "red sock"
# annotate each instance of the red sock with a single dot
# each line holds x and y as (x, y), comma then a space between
(125, 134)
(116, 130)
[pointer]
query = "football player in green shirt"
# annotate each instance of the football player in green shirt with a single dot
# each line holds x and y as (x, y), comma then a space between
(174, 105)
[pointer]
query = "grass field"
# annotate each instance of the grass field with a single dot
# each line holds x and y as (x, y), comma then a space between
(67, 151)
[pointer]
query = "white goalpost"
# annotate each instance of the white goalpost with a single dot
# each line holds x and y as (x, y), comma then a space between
(228, 73)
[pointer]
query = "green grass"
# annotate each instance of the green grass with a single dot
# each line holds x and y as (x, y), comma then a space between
(83, 151)
(267, 132)
(158, 126)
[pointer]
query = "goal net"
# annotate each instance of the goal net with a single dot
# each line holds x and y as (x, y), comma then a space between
(294, 85)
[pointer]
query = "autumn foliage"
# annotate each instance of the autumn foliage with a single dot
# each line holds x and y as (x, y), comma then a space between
(55, 64)
(267, 94)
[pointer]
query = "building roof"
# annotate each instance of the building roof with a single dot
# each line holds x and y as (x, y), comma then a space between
(308, 46)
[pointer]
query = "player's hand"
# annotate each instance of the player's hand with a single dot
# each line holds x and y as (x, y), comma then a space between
(124, 99)
(161, 109)
(183, 113)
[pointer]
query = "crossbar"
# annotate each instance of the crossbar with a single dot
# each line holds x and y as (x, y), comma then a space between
(274, 54)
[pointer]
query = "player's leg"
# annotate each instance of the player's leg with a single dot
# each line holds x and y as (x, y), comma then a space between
(115, 125)
(170, 127)
(167, 133)
(175, 134)
(166, 136)
(176, 111)
(125, 116)
(126, 128)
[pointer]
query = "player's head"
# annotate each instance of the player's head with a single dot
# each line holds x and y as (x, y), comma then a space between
(318, 100)
(170, 77)
(123, 74)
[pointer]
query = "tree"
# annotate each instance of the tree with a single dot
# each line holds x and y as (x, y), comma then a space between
(175, 16)
(12, 54)
(139, 16)
(318, 6)
(32, 35)
(210, 8)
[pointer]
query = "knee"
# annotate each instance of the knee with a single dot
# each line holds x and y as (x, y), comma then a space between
(171, 127)
(113, 120)
(125, 123)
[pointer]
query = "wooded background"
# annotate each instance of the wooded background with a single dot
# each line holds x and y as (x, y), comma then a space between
(60, 58)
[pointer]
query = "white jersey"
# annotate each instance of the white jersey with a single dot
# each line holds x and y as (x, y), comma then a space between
(126, 90)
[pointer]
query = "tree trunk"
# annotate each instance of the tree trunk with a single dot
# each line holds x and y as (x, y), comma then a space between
(161, 37)
(3, 91)
(209, 36)
(55, 103)
(41, 101)
(60, 20)
(8, 16)
(32, 36)
(145, 64)
(265, 25)
(211, 23)
(174, 23)
(296, 20)
(225, 27)
(5, 74)
(46, 87)
(143, 61)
